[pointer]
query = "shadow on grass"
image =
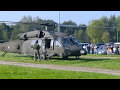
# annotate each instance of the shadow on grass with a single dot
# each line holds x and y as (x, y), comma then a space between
(69, 59)
(20, 55)
(83, 59)
(92, 59)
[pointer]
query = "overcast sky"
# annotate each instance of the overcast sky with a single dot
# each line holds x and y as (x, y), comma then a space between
(79, 17)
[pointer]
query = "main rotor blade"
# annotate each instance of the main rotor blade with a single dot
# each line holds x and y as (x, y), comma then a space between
(98, 27)
(28, 23)
(67, 25)
(8, 22)
(86, 26)
(48, 24)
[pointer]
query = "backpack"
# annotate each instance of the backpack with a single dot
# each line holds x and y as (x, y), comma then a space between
(36, 46)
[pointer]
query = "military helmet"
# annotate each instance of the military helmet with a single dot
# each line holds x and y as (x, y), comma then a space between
(36, 41)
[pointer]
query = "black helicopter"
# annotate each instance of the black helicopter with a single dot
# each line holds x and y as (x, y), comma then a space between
(52, 44)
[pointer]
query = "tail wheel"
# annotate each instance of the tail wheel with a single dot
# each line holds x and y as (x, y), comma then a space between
(65, 57)
(77, 57)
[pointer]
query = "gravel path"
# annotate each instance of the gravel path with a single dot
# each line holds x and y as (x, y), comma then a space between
(100, 57)
(61, 67)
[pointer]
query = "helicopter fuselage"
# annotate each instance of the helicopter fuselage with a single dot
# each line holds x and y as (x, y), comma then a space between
(52, 44)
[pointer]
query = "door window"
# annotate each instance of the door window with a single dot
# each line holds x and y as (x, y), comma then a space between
(33, 42)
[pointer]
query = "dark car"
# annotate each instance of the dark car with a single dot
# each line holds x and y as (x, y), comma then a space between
(102, 51)
(100, 44)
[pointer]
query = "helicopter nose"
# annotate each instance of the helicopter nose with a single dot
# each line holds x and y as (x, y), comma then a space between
(67, 51)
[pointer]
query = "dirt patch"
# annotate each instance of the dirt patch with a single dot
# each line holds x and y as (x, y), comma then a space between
(101, 57)
(61, 67)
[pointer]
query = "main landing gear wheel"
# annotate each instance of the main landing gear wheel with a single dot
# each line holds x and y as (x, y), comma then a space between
(65, 57)
(43, 57)
(77, 57)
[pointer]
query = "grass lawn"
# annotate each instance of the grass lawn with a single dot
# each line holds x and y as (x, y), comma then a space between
(99, 55)
(18, 72)
(83, 61)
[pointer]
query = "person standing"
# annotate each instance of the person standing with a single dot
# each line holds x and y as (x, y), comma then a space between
(92, 49)
(95, 49)
(88, 49)
(117, 50)
(111, 49)
(36, 48)
(84, 47)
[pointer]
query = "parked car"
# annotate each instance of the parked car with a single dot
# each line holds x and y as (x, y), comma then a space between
(102, 51)
(84, 44)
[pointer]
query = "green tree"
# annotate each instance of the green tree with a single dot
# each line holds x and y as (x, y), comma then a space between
(113, 23)
(14, 34)
(68, 30)
(95, 33)
(17, 30)
(0, 34)
(105, 37)
(26, 19)
(5, 35)
(5, 32)
(85, 37)
(79, 35)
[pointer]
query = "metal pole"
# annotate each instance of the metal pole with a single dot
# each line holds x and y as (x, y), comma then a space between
(117, 35)
(59, 23)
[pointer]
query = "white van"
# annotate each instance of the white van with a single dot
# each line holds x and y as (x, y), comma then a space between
(117, 44)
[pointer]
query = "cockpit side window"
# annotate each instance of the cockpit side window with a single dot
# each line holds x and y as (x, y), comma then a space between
(40, 42)
(66, 42)
(76, 41)
(58, 43)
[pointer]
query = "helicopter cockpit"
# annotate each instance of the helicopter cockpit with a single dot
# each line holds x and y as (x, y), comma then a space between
(76, 41)
(64, 42)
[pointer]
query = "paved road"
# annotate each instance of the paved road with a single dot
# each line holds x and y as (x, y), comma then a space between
(61, 67)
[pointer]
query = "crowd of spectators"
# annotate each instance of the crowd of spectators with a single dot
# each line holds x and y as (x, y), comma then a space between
(108, 49)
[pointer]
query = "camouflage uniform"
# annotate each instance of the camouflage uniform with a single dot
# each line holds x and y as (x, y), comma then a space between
(36, 48)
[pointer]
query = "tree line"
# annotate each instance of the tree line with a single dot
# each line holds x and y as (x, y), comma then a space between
(83, 34)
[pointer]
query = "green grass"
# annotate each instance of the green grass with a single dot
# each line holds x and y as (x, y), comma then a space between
(99, 55)
(83, 61)
(18, 72)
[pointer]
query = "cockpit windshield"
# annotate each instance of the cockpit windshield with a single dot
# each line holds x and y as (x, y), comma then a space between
(76, 41)
(65, 42)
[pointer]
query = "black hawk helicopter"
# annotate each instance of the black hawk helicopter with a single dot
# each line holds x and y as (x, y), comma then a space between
(52, 43)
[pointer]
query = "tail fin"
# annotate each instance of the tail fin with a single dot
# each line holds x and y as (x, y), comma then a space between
(1, 42)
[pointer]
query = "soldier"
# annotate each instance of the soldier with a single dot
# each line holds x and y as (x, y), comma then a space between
(36, 48)
(117, 51)
(88, 49)
(95, 49)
